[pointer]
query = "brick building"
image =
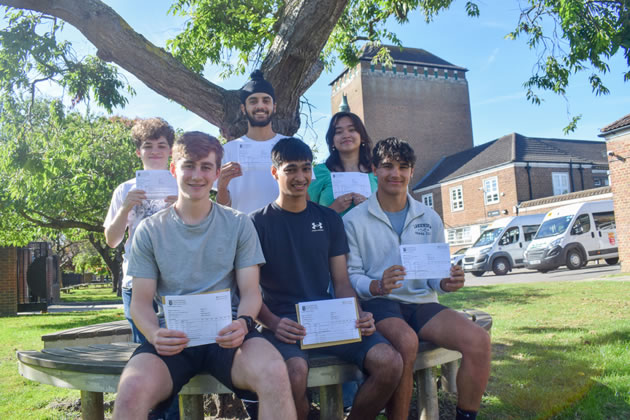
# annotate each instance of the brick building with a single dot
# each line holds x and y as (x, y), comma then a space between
(421, 98)
(30, 278)
(617, 136)
(8, 281)
(472, 188)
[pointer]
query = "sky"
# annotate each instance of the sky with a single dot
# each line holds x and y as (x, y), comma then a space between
(497, 68)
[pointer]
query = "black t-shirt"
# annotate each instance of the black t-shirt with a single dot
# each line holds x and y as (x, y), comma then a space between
(297, 247)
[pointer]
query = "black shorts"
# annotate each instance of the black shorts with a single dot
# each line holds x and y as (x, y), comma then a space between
(351, 352)
(415, 314)
(209, 358)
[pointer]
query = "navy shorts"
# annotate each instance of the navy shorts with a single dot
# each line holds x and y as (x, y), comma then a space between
(415, 314)
(210, 358)
(351, 352)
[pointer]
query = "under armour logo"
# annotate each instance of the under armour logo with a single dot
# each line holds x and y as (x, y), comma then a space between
(317, 226)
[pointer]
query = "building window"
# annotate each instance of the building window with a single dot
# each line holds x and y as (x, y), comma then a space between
(491, 190)
(560, 182)
(427, 200)
(459, 236)
(600, 182)
(457, 198)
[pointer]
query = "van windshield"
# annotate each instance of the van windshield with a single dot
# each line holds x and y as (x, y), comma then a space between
(488, 237)
(553, 227)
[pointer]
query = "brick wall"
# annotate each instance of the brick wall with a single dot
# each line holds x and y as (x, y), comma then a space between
(475, 211)
(8, 281)
(620, 183)
(432, 113)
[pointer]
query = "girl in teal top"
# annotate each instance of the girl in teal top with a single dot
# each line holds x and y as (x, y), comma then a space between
(350, 150)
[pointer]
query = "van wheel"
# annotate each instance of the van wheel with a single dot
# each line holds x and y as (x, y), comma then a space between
(500, 266)
(574, 259)
(611, 261)
(477, 273)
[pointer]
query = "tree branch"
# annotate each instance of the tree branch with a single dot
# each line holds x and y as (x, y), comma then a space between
(58, 223)
(117, 42)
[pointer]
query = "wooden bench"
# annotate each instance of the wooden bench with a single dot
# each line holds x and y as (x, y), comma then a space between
(96, 368)
(105, 333)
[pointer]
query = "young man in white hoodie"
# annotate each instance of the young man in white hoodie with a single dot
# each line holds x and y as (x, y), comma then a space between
(406, 309)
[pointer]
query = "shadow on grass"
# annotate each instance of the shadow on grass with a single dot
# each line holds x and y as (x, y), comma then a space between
(481, 296)
(619, 336)
(539, 380)
(601, 402)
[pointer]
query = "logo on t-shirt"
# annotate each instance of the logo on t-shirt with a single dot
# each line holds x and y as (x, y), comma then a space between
(423, 229)
(317, 227)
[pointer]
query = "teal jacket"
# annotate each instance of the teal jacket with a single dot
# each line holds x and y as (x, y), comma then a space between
(321, 192)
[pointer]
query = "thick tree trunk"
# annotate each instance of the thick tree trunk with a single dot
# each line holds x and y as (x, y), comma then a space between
(112, 260)
(292, 64)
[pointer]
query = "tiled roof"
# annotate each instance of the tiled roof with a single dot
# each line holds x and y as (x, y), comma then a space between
(411, 56)
(620, 123)
(566, 197)
(406, 55)
(515, 148)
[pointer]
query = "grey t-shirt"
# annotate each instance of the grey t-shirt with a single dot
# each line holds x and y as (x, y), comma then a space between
(397, 219)
(189, 259)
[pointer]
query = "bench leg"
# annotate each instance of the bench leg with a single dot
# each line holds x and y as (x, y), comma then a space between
(427, 395)
(92, 405)
(449, 376)
(331, 402)
(191, 407)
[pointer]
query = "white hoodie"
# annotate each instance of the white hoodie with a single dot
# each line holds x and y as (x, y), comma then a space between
(374, 247)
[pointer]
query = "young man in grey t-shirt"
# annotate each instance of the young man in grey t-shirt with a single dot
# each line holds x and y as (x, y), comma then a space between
(197, 246)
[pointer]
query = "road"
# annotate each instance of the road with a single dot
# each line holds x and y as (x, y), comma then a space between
(521, 275)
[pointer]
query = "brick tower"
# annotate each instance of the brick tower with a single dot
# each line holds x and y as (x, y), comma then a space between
(421, 98)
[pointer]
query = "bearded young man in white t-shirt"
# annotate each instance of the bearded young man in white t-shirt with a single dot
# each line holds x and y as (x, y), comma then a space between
(245, 183)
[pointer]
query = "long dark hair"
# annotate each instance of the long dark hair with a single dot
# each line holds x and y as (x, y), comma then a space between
(333, 162)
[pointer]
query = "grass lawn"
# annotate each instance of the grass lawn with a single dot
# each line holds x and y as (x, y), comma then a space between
(21, 398)
(560, 350)
(91, 294)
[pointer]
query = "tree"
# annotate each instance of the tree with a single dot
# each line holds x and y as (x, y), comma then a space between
(57, 174)
(293, 41)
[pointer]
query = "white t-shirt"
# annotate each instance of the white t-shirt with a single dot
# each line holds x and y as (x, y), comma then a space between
(135, 216)
(256, 187)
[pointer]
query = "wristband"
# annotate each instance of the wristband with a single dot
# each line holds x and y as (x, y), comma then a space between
(381, 291)
(249, 321)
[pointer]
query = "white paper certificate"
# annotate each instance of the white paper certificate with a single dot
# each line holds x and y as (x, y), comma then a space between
(157, 184)
(350, 182)
(426, 261)
(201, 316)
(329, 322)
(255, 155)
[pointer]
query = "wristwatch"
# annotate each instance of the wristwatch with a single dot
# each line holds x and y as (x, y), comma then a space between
(249, 321)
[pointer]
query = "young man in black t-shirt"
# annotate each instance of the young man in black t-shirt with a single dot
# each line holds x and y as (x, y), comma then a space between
(305, 248)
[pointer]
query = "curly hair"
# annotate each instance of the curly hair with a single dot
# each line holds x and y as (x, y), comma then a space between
(333, 162)
(152, 129)
(393, 148)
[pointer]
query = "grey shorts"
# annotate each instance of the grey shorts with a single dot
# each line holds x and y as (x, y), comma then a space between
(415, 314)
(351, 352)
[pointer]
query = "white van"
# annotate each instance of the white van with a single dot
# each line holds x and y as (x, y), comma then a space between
(573, 235)
(500, 247)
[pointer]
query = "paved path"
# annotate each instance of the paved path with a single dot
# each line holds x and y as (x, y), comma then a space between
(77, 307)
(521, 275)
